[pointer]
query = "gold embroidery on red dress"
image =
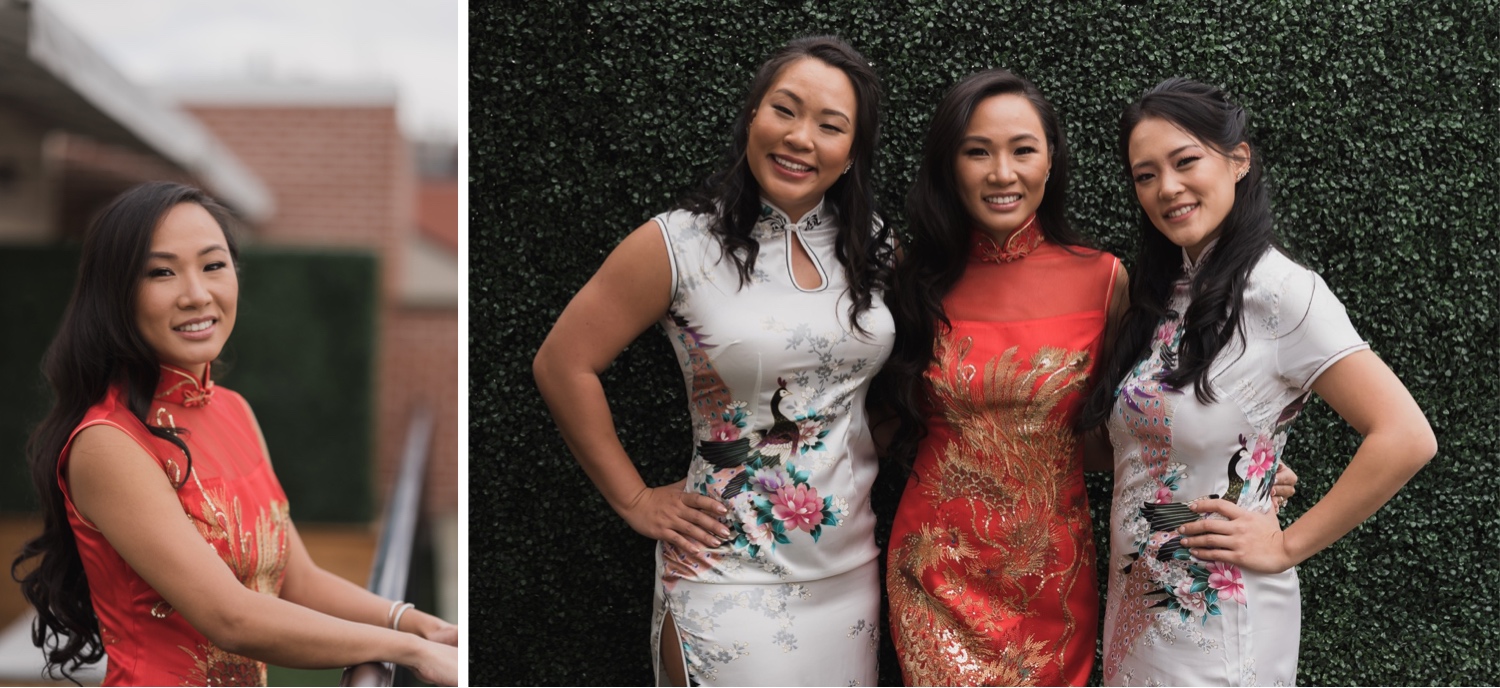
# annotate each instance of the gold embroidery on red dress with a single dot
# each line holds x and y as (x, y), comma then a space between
(992, 561)
(257, 556)
(215, 667)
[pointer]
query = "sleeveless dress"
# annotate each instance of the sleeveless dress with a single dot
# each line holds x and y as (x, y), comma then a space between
(776, 381)
(1172, 619)
(991, 570)
(233, 498)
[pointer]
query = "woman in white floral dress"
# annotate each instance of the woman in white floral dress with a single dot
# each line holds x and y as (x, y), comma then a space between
(1226, 339)
(768, 286)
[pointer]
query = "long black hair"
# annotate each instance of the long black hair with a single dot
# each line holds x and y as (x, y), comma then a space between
(1217, 290)
(96, 345)
(941, 236)
(731, 196)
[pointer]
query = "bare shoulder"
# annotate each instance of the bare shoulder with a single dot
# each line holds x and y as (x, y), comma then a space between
(637, 275)
(644, 248)
(98, 446)
(104, 465)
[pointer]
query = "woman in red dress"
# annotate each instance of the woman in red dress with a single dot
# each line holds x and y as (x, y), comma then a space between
(140, 437)
(1001, 314)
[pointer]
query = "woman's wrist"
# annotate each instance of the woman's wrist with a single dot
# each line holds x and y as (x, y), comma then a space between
(410, 651)
(418, 622)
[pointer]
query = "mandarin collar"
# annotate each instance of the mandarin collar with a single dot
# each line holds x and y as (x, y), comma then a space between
(179, 386)
(1190, 268)
(774, 221)
(1018, 245)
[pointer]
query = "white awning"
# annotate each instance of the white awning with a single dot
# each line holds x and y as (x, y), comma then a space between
(51, 73)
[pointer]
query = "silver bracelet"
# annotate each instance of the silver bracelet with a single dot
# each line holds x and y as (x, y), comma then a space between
(390, 612)
(396, 623)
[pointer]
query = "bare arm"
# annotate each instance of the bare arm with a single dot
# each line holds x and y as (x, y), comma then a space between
(1397, 443)
(630, 291)
(313, 587)
(1097, 454)
(117, 486)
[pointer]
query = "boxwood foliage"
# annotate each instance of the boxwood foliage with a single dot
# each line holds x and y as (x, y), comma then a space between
(1377, 121)
(302, 354)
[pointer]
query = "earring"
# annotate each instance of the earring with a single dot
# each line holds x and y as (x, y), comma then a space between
(1049, 177)
(1243, 171)
(848, 167)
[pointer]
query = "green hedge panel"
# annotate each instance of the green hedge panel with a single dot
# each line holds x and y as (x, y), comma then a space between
(302, 354)
(1378, 122)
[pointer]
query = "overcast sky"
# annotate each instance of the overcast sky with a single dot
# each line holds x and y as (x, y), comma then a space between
(410, 43)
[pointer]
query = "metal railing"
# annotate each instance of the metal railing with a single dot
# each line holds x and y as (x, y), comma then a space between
(392, 566)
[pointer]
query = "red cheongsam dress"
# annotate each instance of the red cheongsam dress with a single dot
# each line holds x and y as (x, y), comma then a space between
(991, 569)
(231, 496)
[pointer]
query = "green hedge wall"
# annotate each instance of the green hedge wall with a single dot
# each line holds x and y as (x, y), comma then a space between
(302, 354)
(1378, 124)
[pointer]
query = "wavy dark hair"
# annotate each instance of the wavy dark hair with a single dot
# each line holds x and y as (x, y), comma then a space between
(731, 196)
(1217, 291)
(96, 345)
(941, 235)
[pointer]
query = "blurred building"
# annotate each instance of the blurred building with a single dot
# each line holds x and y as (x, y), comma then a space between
(342, 174)
(303, 165)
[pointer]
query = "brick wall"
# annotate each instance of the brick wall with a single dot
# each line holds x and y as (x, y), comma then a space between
(424, 364)
(343, 176)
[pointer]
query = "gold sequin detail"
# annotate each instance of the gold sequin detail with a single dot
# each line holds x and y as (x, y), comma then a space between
(1006, 470)
(215, 667)
(161, 610)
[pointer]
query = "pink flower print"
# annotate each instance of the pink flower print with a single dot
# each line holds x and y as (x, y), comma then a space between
(758, 534)
(1165, 331)
(1226, 579)
(771, 481)
(1163, 495)
(808, 432)
(1192, 602)
(799, 508)
(1261, 458)
(723, 432)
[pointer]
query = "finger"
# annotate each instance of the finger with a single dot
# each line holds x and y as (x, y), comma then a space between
(707, 523)
(1223, 507)
(698, 535)
(1285, 474)
(1283, 491)
(1208, 541)
(1210, 527)
(705, 503)
(1210, 554)
(682, 542)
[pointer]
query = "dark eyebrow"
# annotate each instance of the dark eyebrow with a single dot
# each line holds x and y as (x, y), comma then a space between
(1172, 154)
(168, 255)
(827, 111)
(986, 139)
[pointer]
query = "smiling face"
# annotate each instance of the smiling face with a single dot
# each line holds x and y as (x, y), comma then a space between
(186, 303)
(800, 135)
(1184, 185)
(1002, 164)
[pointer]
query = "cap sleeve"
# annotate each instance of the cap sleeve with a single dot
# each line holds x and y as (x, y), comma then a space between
(1314, 331)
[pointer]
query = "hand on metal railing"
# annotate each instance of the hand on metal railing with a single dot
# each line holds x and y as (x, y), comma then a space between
(392, 566)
